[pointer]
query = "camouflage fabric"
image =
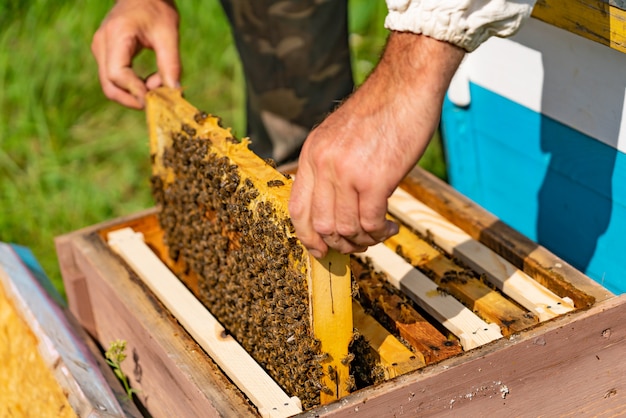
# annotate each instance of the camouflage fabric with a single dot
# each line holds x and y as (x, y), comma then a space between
(296, 62)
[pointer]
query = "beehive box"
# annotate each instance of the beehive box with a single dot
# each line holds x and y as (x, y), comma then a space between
(571, 363)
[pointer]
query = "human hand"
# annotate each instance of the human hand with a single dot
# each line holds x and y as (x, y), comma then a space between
(131, 26)
(353, 161)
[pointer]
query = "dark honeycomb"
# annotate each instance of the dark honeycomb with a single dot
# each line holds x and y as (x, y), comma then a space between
(249, 263)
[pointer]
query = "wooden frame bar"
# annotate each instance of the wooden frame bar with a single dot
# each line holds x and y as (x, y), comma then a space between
(527, 292)
(596, 20)
(469, 328)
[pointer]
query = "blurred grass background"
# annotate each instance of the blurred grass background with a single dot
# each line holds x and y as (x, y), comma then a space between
(69, 158)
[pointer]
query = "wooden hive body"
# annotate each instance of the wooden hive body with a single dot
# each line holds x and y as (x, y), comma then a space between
(479, 379)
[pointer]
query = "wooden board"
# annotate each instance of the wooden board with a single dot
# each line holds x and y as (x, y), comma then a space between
(535, 297)
(50, 369)
(469, 329)
(398, 314)
(593, 19)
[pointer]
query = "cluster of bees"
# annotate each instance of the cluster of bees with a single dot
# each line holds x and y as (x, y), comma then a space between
(249, 263)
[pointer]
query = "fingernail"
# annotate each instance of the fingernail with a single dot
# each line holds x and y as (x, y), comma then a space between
(141, 101)
(392, 228)
(315, 253)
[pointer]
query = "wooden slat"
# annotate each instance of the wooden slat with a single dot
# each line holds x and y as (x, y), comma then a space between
(454, 279)
(400, 316)
(469, 328)
(511, 281)
(267, 396)
(528, 256)
(593, 19)
(394, 357)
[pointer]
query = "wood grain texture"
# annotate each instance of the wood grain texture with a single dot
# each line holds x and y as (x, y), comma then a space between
(535, 260)
(513, 282)
(332, 319)
(571, 366)
(162, 357)
(461, 283)
(397, 313)
(593, 19)
(250, 378)
(394, 357)
(471, 331)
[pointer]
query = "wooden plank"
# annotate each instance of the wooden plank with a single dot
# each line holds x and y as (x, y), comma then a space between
(207, 181)
(593, 19)
(465, 286)
(571, 366)
(69, 362)
(332, 320)
(520, 287)
(469, 328)
(163, 358)
(528, 256)
(398, 314)
(266, 395)
(395, 358)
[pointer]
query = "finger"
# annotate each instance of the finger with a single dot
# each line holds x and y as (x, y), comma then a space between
(111, 91)
(373, 214)
(348, 221)
(323, 215)
(300, 212)
(153, 81)
(118, 67)
(168, 58)
(342, 245)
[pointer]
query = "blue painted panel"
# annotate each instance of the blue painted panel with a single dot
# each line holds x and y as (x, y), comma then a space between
(559, 187)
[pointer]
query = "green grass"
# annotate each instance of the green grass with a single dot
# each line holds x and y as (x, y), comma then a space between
(69, 158)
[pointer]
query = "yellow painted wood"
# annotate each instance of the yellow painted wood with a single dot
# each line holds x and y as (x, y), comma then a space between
(331, 305)
(593, 19)
(395, 358)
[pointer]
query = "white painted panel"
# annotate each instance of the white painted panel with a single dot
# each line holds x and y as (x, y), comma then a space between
(573, 80)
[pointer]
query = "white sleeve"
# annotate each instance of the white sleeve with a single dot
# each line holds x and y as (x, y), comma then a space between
(465, 23)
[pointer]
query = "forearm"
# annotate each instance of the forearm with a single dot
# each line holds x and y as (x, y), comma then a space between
(404, 94)
(353, 161)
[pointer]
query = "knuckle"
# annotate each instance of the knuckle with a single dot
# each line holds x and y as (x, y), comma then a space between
(323, 227)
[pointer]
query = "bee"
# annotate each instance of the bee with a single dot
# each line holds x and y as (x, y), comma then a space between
(200, 117)
(275, 183)
(347, 359)
(188, 129)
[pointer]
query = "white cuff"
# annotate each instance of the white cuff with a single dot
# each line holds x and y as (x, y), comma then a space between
(465, 23)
